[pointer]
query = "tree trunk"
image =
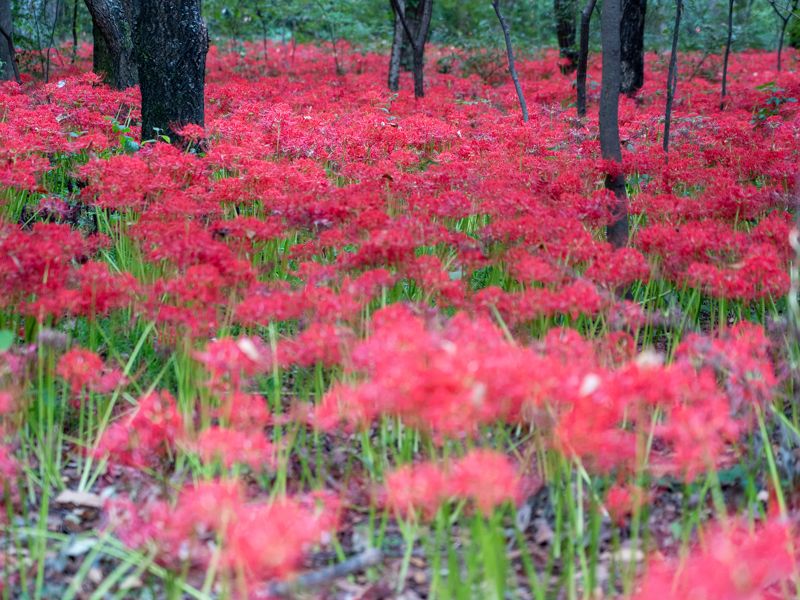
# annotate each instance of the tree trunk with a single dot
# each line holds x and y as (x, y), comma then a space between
(780, 42)
(397, 49)
(419, 72)
(171, 43)
(672, 74)
(617, 230)
(74, 31)
(583, 57)
(512, 69)
(417, 38)
(102, 63)
(412, 12)
(113, 24)
(566, 12)
(727, 56)
(791, 9)
(632, 45)
(8, 67)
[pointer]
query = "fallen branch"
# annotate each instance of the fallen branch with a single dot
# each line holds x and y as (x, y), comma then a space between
(359, 562)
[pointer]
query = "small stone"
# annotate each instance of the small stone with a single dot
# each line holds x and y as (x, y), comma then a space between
(627, 555)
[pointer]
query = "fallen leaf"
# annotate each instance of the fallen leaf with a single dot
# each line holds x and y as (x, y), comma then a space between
(76, 498)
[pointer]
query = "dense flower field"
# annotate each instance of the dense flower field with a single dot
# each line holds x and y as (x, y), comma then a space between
(344, 323)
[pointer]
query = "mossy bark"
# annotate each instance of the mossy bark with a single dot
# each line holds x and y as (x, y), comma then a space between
(113, 23)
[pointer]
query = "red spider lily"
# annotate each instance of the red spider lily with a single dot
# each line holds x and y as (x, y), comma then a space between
(413, 488)
(83, 369)
(243, 411)
(258, 541)
(448, 380)
(230, 447)
(622, 500)
(486, 478)
(228, 360)
(144, 437)
(8, 466)
(734, 561)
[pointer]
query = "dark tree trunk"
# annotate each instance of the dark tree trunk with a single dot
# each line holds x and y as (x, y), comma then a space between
(74, 30)
(566, 13)
(632, 45)
(785, 17)
(412, 11)
(617, 230)
(417, 38)
(419, 72)
(583, 56)
(397, 49)
(171, 45)
(102, 63)
(672, 74)
(8, 70)
(727, 56)
(780, 43)
(113, 23)
(512, 69)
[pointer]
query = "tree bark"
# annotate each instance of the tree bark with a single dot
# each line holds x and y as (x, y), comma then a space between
(171, 42)
(583, 57)
(412, 12)
(417, 38)
(512, 69)
(791, 9)
(780, 43)
(617, 230)
(566, 12)
(672, 74)
(397, 48)
(632, 45)
(727, 56)
(74, 31)
(113, 23)
(8, 70)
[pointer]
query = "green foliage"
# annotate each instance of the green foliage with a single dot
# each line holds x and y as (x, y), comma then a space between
(794, 32)
(772, 105)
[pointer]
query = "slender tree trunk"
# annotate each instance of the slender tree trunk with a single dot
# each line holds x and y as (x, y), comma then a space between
(583, 56)
(727, 56)
(8, 70)
(113, 23)
(566, 12)
(632, 45)
(780, 42)
(171, 42)
(51, 39)
(397, 49)
(417, 39)
(617, 230)
(74, 31)
(512, 69)
(791, 9)
(672, 74)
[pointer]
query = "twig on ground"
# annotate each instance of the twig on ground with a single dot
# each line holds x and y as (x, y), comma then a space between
(359, 562)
